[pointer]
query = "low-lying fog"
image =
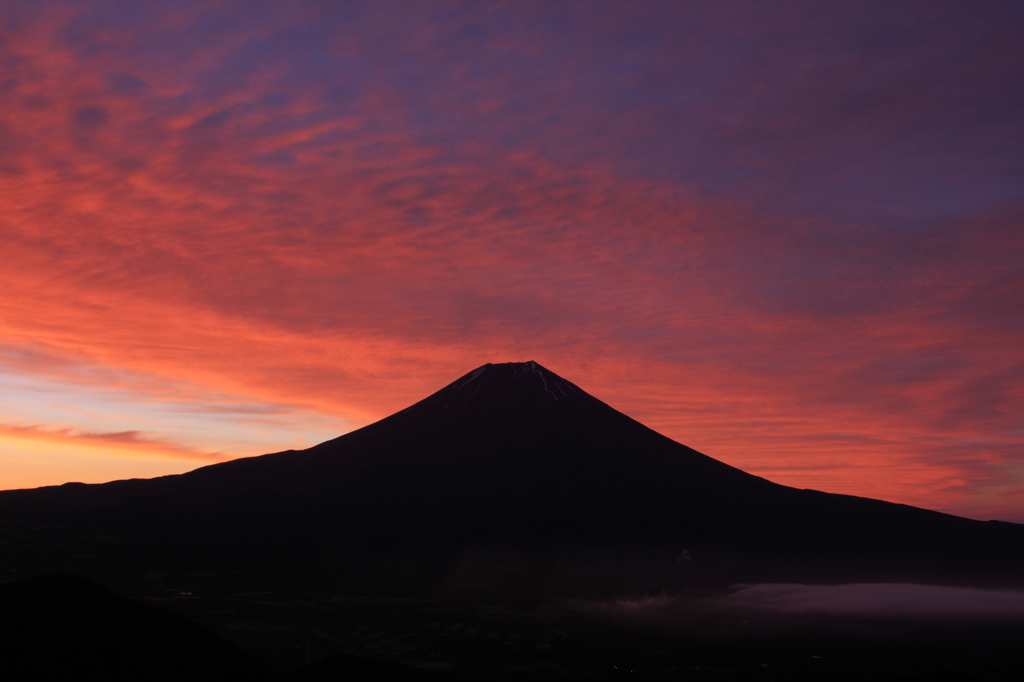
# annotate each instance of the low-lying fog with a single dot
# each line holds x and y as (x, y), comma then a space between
(818, 632)
(869, 600)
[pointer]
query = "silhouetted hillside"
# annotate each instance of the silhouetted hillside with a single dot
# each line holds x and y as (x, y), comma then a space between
(63, 627)
(510, 475)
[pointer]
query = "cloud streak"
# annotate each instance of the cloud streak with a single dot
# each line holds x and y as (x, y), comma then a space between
(125, 443)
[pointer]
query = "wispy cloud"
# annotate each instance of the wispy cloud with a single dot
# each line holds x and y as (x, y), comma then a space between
(121, 443)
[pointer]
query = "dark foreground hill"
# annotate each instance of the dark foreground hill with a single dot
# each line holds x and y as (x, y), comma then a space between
(66, 627)
(509, 478)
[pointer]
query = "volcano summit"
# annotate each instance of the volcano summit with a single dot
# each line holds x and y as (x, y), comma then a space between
(508, 460)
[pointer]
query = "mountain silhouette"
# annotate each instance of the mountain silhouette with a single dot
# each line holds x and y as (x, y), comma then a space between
(511, 475)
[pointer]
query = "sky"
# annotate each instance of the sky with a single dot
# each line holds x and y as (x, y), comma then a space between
(789, 235)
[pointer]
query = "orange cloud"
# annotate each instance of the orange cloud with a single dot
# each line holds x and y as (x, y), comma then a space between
(131, 444)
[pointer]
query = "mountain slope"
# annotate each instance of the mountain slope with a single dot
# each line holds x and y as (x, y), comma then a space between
(509, 458)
